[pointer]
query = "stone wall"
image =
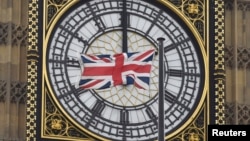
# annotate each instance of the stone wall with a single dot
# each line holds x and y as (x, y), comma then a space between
(13, 69)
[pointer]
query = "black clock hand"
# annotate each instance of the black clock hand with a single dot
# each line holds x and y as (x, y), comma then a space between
(124, 24)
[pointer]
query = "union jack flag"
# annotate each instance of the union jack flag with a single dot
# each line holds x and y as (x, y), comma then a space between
(105, 71)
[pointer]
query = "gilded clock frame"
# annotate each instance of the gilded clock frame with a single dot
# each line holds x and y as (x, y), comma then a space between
(44, 120)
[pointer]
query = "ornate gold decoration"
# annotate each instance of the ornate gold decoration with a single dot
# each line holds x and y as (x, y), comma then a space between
(196, 130)
(219, 63)
(193, 137)
(56, 124)
(54, 6)
(32, 58)
(193, 9)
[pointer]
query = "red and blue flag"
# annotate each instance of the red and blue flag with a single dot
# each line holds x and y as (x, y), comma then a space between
(105, 71)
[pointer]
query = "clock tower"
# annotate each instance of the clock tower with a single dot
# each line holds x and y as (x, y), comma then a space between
(58, 110)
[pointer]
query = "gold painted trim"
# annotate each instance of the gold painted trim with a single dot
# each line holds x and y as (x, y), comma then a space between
(206, 62)
(32, 62)
(33, 56)
(46, 37)
(219, 63)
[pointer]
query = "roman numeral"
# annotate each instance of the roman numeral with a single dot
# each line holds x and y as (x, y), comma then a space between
(98, 21)
(67, 31)
(78, 91)
(176, 73)
(150, 113)
(56, 61)
(124, 118)
(98, 108)
(170, 47)
(156, 17)
(73, 62)
(176, 45)
(169, 97)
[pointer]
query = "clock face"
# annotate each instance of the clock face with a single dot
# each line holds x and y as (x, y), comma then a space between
(124, 112)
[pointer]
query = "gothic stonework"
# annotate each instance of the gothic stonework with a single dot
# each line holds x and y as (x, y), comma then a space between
(228, 4)
(3, 33)
(243, 57)
(243, 113)
(18, 91)
(3, 90)
(219, 67)
(18, 34)
(229, 56)
(242, 5)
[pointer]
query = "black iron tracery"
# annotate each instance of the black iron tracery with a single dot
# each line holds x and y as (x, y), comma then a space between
(84, 27)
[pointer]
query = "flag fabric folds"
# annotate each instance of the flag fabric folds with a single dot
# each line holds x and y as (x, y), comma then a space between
(105, 71)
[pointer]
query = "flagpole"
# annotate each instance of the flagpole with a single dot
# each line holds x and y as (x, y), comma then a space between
(161, 125)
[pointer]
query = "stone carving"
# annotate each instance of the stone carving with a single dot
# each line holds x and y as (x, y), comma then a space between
(18, 34)
(18, 92)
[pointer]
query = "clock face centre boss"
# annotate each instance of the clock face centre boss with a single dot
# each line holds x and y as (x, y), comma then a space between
(116, 26)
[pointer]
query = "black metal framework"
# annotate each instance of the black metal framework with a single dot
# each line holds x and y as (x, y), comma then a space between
(78, 30)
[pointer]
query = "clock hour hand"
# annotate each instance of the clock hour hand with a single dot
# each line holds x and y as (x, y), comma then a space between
(124, 24)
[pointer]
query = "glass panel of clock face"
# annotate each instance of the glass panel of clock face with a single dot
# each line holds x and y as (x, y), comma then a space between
(124, 112)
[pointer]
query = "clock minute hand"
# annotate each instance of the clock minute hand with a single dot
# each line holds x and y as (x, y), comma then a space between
(124, 24)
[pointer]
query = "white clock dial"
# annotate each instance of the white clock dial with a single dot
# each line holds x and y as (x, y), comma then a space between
(125, 112)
